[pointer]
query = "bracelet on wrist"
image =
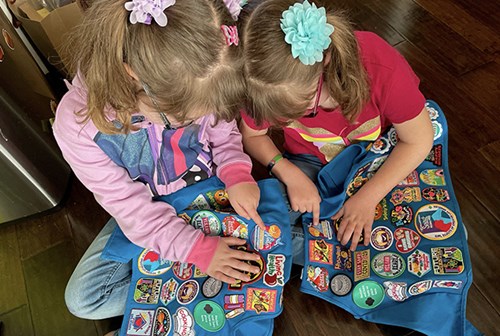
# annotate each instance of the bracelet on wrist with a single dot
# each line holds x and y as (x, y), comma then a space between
(273, 162)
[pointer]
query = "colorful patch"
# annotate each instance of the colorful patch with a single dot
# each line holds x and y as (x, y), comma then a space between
(388, 265)
(235, 227)
(447, 260)
(209, 315)
(322, 230)
(396, 290)
(211, 287)
(401, 215)
(183, 322)
(343, 258)
(168, 291)
(419, 263)
(234, 301)
(199, 203)
(198, 273)
(435, 222)
(377, 163)
(433, 177)
(140, 322)
(381, 146)
(318, 278)
(185, 217)
(381, 238)
(182, 270)
(147, 291)
(408, 195)
(235, 312)
(381, 211)
(438, 129)
(275, 273)
(450, 284)
(336, 225)
(411, 180)
(219, 200)
(162, 323)
(368, 294)
(361, 265)
(433, 194)
(320, 252)
(392, 136)
(187, 292)
(150, 263)
(355, 185)
(420, 287)
(268, 239)
(260, 263)
(433, 113)
(340, 285)
(208, 222)
(406, 240)
(261, 300)
(436, 155)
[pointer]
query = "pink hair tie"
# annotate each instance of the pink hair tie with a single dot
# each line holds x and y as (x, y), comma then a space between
(144, 11)
(230, 34)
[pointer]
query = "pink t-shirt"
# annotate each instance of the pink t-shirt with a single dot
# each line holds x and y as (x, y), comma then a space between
(394, 98)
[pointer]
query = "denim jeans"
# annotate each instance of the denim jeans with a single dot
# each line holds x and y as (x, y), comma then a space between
(309, 165)
(98, 288)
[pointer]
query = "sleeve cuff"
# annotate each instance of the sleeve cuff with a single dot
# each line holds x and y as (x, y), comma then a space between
(203, 251)
(236, 173)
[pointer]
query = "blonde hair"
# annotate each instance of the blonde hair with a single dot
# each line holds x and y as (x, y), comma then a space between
(279, 86)
(187, 65)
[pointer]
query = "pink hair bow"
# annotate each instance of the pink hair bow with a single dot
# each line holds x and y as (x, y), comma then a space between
(143, 11)
(230, 34)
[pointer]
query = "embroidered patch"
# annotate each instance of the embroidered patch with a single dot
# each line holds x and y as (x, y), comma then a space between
(410, 181)
(401, 215)
(376, 163)
(433, 177)
(381, 238)
(275, 273)
(361, 265)
(261, 300)
(419, 263)
(388, 265)
(340, 285)
(182, 270)
(168, 291)
(438, 129)
(322, 230)
(381, 146)
(406, 240)
(140, 322)
(368, 294)
(436, 155)
(408, 195)
(147, 291)
(198, 273)
(187, 292)
(433, 194)
(208, 222)
(234, 227)
(162, 323)
(209, 315)
(396, 290)
(435, 222)
(447, 260)
(268, 239)
(234, 301)
(183, 322)
(318, 278)
(320, 252)
(420, 287)
(260, 263)
(392, 136)
(450, 284)
(433, 113)
(150, 263)
(381, 211)
(211, 287)
(343, 258)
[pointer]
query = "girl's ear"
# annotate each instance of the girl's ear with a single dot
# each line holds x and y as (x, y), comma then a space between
(130, 72)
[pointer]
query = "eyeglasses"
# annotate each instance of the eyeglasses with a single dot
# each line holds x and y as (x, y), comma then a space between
(168, 124)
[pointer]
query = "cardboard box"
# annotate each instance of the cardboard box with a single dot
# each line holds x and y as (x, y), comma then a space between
(48, 32)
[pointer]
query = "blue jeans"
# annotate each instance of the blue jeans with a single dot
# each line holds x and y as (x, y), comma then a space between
(98, 288)
(309, 165)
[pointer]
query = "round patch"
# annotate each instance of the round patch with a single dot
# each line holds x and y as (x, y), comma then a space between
(433, 113)
(381, 238)
(368, 294)
(150, 263)
(401, 215)
(211, 287)
(420, 287)
(381, 146)
(8, 39)
(406, 240)
(208, 222)
(435, 222)
(162, 322)
(340, 285)
(234, 227)
(438, 129)
(396, 290)
(168, 291)
(419, 263)
(266, 239)
(182, 270)
(393, 136)
(388, 265)
(188, 291)
(209, 315)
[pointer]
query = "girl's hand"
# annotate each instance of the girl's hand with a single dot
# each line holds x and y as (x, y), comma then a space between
(357, 218)
(244, 198)
(227, 264)
(303, 194)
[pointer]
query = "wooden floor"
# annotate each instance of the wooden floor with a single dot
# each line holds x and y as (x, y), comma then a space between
(453, 45)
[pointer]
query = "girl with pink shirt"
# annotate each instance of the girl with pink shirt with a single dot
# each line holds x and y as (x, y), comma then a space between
(150, 111)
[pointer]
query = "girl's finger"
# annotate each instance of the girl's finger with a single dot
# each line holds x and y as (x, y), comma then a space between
(355, 239)
(224, 278)
(241, 255)
(233, 241)
(339, 214)
(231, 272)
(242, 266)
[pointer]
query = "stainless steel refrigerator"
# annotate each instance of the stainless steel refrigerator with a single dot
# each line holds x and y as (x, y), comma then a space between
(33, 175)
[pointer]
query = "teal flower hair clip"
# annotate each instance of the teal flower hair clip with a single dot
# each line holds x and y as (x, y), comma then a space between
(307, 31)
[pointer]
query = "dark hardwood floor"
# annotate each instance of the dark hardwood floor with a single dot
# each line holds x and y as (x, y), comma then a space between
(453, 45)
